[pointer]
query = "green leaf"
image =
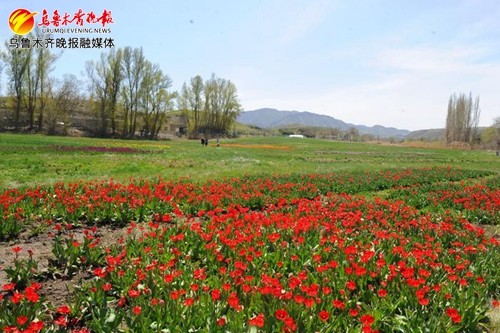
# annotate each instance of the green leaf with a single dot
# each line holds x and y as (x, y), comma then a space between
(111, 318)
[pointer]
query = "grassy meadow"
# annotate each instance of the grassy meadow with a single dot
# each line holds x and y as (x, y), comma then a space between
(27, 160)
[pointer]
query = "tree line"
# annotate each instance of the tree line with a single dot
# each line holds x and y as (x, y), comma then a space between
(462, 119)
(128, 95)
(211, 106)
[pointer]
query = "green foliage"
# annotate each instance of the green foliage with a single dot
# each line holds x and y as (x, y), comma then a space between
(34, 160)
(462, 119)
(24, 271)
(489, 137)
(211, 106)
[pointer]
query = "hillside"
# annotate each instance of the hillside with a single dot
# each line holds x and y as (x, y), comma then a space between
(426, 134)
(271, 118)
(433, 134)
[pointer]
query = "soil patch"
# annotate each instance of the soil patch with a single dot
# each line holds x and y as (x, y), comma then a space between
(56, 288)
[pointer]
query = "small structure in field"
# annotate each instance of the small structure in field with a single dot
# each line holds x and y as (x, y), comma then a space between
(296, 136)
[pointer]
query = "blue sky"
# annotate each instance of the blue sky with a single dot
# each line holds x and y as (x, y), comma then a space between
(393, 63)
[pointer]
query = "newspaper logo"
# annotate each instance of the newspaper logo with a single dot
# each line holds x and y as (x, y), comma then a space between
(22, 21)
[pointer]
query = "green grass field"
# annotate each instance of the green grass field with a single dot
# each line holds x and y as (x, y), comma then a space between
(32, 159)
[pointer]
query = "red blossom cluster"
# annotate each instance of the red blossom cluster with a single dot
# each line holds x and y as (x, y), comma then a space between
(279, 256)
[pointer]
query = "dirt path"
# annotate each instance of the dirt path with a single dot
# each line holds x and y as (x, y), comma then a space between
(57, 289)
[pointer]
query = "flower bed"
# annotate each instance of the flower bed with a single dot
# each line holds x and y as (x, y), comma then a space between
(275, 254)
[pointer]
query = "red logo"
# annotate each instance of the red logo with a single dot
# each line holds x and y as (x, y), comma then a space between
(21, 21)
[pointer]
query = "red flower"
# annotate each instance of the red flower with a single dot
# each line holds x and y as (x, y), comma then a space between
(454, 315)
(290, 324)
(274, 237)
(299, 299)
(188, 301)
(199, 274)
(351, 285)
(309, 302)
(21, 320)
(61, 321)
(216, 294)
(221, 321)
(324, 315)
(353, 312)
(338, 304)
(423, 301)
(382, 293)
(17, 249)
(234, 301)
(257, 321)
(367, 320)
(36, 326)
(137, 310)
(17, 297)
(9, 286)
(174, 295)
(367, 329)
(281, 314)
(134, 293)
(360, 271)
(63, 309)
(122, 301)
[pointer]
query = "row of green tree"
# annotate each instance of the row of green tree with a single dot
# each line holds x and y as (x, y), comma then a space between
(211, 106)
(462, 123)
(462, 119)
(128, 95)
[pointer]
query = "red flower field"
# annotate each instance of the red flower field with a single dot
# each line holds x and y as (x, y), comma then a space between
(308, 253)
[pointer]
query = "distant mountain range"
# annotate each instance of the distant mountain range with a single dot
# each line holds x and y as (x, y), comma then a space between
(271, 118)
